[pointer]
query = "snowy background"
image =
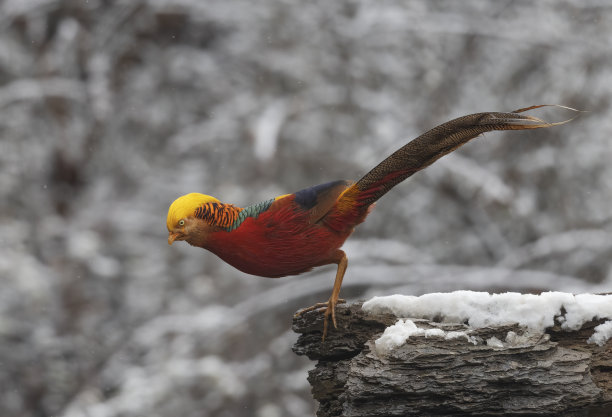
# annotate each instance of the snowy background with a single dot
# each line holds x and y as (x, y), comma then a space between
(111, 109)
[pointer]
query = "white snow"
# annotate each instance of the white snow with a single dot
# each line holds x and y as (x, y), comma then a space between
(603, 332)
(517, 339)
(494, 342)
(481, 309)
(397, 334)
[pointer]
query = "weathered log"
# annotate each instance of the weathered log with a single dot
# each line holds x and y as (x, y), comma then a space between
(555, 373)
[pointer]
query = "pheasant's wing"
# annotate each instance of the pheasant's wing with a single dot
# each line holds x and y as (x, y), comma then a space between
(320, 199)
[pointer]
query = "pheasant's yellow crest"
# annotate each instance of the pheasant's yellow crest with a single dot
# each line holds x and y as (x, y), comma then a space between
(185, 206)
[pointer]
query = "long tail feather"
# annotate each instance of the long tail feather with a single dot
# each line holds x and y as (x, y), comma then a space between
(422, 152)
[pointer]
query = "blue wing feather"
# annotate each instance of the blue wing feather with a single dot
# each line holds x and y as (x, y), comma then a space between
(309, 197)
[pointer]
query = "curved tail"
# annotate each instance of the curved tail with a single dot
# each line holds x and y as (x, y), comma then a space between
(353, 204)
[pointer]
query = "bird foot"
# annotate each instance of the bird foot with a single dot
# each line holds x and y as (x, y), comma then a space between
(330, 309)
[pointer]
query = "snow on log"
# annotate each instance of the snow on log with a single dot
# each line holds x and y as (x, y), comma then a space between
(463, 353)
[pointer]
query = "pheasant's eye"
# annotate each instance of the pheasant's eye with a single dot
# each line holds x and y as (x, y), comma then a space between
(181, 222)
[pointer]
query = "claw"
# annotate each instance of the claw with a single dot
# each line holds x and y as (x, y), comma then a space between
(317, 306)
(330, 309)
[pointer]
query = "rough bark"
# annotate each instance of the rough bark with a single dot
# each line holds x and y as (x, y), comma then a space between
(550, 374)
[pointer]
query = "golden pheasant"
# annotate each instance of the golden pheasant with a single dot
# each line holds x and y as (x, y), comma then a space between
(293, 233)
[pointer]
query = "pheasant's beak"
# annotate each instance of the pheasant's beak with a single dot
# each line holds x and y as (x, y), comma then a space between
(172, 236)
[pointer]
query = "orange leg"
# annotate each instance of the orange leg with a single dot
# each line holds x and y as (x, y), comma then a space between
(330, 306)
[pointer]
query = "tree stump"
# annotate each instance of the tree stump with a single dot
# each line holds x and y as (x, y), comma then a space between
(555, 373)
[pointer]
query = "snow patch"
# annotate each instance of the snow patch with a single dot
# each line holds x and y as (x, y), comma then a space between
(602, 334)
(495, 342)
(481, 309)
(397, 334)
(514, 339)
